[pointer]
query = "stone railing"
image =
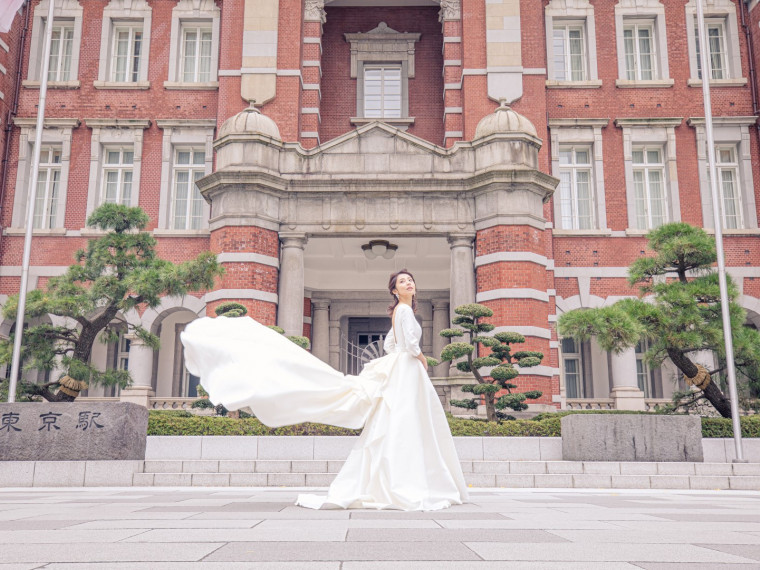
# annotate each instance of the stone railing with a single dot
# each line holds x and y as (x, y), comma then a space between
(654, 404)
(165, 403)
(589, 404)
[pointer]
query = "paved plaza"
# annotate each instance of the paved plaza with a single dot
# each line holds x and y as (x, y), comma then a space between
(236, 528)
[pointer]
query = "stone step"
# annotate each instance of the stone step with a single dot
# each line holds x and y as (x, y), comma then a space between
(493, 480)
(327, 466)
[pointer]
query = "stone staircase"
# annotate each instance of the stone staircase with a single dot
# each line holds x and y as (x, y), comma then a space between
(506, 474)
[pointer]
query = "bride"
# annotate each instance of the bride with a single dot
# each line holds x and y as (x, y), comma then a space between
(405, 457)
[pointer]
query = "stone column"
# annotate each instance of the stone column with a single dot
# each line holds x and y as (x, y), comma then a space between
(440, 322)
(141, 369)
(462, 270)
(291, 289)
(320, 329)
(625, 388)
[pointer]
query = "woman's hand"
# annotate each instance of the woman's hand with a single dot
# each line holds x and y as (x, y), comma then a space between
(421, 358)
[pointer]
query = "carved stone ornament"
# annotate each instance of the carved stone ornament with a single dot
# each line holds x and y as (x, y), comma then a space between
(450, 10)
(314, 11)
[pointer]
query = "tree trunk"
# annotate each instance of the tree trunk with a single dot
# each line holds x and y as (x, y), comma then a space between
(45, 392)
(490, 410)
(714, 394)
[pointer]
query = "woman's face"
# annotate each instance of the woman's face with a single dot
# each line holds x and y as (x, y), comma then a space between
(405, 285)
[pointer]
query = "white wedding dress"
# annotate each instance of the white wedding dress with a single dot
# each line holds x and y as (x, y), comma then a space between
(405, 457)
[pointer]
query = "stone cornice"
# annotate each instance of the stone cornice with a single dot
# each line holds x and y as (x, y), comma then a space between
(728, 121)
(578, 122)
(115, 123)
(186, 123)
(666, 122)
(50, 123)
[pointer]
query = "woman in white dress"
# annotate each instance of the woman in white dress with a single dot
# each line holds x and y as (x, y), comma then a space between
(405, 457)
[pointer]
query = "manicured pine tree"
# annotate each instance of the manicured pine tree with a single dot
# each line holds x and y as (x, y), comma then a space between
(679, 315)
(501, 358)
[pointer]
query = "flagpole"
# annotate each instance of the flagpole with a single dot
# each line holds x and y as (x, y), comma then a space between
(31, 199)
(718, 223)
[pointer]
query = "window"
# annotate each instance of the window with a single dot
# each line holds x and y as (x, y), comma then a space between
(121, 355)
(382, 91)
(575, 188)
(196, 54)
(728, 178)
(717, 54)
(117, 176)
(64, 47)
(61, 47)
(48, 185)
(640, 57)
(572, 362)
(570, 44)
(189, 166)
(126, 54)
(569, 53)
(649, 187)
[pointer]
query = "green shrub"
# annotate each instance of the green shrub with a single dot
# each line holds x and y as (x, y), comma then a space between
(181, 422)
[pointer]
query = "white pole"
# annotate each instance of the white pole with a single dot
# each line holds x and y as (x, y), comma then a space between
(718, 222)
(31, 197)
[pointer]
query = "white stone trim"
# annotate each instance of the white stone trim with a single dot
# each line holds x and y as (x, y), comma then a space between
(653, 132)
(627, 11)
(537, 332)
(66, 10)
(511, 256)
(232, 257)
(127, 11)
(182, 133)
(579, 132)
(56, 132)
(581, 11)
(108, 133)
(193, 12)
(716, 10)
(515, 293)
(241, 294)
(34, 270)
(732, 131)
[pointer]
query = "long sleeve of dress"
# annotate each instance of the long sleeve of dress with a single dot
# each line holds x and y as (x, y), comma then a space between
(390, 342)
(411, 329)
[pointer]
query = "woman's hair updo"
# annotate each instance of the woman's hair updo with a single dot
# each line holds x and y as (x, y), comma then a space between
(392, 286)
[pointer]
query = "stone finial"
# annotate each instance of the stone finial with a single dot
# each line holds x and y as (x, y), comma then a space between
(250, 121)
(504, 120)
(450, 10)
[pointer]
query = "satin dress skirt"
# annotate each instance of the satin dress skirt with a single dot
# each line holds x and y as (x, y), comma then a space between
(405, 457)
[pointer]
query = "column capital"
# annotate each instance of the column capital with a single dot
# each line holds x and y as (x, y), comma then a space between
(293, 239)
(314, 11)
(442, 304)
(320, 304)
(461, 239)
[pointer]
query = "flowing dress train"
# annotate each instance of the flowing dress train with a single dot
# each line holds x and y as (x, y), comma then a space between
(405, 457)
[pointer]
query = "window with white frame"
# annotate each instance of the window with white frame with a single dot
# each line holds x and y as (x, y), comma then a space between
(61, 49)
(64, 47)
(126, 53)
(716, 41)
(572, 365)
(649, 187)
(730, 190)
(576, 192)
(117, 176)
(382, 91)
(640, 50)
(196, 52)
(48, 188)
(121, 354)
(569, 51)
(187, 202)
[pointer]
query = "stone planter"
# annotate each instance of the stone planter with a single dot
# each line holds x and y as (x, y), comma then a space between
(43, 431)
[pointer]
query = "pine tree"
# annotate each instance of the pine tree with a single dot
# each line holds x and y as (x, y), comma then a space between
(679, 315)
(116, 273)
(501, 359)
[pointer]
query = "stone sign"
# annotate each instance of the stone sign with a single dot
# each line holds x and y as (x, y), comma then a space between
(634, 437)
(73, 431)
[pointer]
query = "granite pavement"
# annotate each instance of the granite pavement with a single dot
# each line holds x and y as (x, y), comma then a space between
(260, 528)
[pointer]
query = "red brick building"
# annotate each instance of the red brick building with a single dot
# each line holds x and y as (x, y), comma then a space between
(377, 143)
